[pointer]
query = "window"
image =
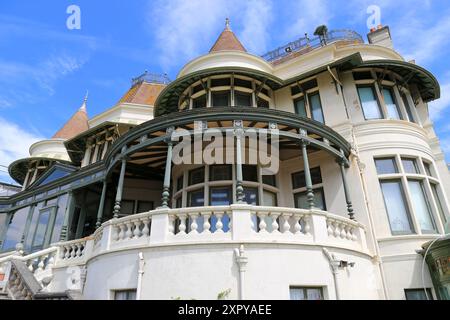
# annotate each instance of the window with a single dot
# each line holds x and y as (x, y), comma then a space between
(398, 214)
(196, 176)
(386, 166)
(262, 103)
(220, 196)
(199, 102)
(408, 108)
(362, 75)
(15, 228)
(418, 294)
(250, 172)
(180, 183)
(410, 166)
(221, 98)
(300, 107)
(269, 199)
(125, 294)
(220, 172)
(196, 198)
(127, 207)
(305, 293)
(243, 99)
(421, 206)
(298, 178)
(251, 196)
(437, 198)
(369, 103)
(144, 206)
(319, 199)
(427, 167)
(242, 83)
(270, 180)
(316, 107)
(222, 82)
(391, 106)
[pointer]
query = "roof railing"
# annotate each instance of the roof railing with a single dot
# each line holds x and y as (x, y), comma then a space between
(309, 44)
(151, 78)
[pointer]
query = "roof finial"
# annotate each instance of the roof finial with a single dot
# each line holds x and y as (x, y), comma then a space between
(227, 24)
(83, 106)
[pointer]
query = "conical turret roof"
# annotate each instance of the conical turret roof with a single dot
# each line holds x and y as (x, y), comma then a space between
(76, 124)
(227, 41)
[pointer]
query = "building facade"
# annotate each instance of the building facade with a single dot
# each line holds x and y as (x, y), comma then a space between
(312, 172)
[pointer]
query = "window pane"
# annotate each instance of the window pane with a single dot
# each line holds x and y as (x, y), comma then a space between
(220, 172)
(127, 207)
(391, 106)
(41, 229)
(316, 108)
(220, 82)
(221, 99)
(178, 202)
(196, 176)
(395, 207)
(386, 166)
(408, 108)
(196, 198)
(297, 294)
(300, 107)
(314, 293)
(15, 229)
(144, 206)
(410, 166)
(199, 102)
(319, 199)
(180, 183)
(369, 103)
(220, 196)
(242, 83)
(250, 172)
(59, 219)
(421, 205)
(242, 99)
(427, 168)
(438, 203)
(270, 180)
(298, 178)
(269, 199)
(251, 196)
(125, 295)
(418, 294)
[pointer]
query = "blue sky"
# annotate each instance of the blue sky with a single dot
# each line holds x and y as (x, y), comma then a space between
(45, 68)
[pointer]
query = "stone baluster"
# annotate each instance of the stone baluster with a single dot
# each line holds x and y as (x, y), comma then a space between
(262, 222)
(297, 225)
(219, 224)
(275, 225)
(286, 226)
(122, 231)
(307, 225)
(182, 226)
(73, 251)
(137, 229)
(337, 232)
(129, 233)
(342, 228)
(146, 229)
(194, 225)
(67, 250)
(206, 224)
(329, 227)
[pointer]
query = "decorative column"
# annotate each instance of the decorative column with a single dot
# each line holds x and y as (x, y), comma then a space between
(118, 201)
(101, 205)
(168, 170)
(309, 189)
(342, 164)
(239, 133)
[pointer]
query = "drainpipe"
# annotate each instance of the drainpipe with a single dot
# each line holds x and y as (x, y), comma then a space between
(334, 263)
(241, 261)
(140, 275)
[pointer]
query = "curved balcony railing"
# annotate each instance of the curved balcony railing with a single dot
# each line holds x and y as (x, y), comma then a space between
(307, 44)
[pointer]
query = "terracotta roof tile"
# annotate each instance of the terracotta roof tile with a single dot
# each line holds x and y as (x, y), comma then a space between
(143, 93)
(76, 124)
(227, 41)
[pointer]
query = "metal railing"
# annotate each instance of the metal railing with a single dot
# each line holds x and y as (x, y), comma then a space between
(307, 44)
(152, 78)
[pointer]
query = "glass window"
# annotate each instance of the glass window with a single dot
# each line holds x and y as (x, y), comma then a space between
(319, 199)
(243, 99)
(199, 102)
(242, 83)
(421, 206)
(178, 202)
(196, 198)
(3, 217)
(15, 229)
(427, 167)
(439, 205)
(220, 172)
(298, 178)
(180, 183)
(144, 206)
(269, 199)
(220, 196)
(262, 103)
(391, 106)
(418, 294)
(221, 98)
(220, 82)
(270, 180)
(125, 295)
(386, 166)
(394, 200)
(408, 108)
(100, 151)
(250, 172)
(251, 196)
(41, 229)
(300, 107)
(316, 107)
(127, 207)
(304, 293)
(369, 103)
(59, 219)
(410, 165)
(56, 174)
(196, 176)
(362, 75)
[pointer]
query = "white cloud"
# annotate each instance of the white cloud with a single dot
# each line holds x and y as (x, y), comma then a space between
(14, 144)
(187, 29)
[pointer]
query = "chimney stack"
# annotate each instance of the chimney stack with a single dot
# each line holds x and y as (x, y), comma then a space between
(380, 36)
